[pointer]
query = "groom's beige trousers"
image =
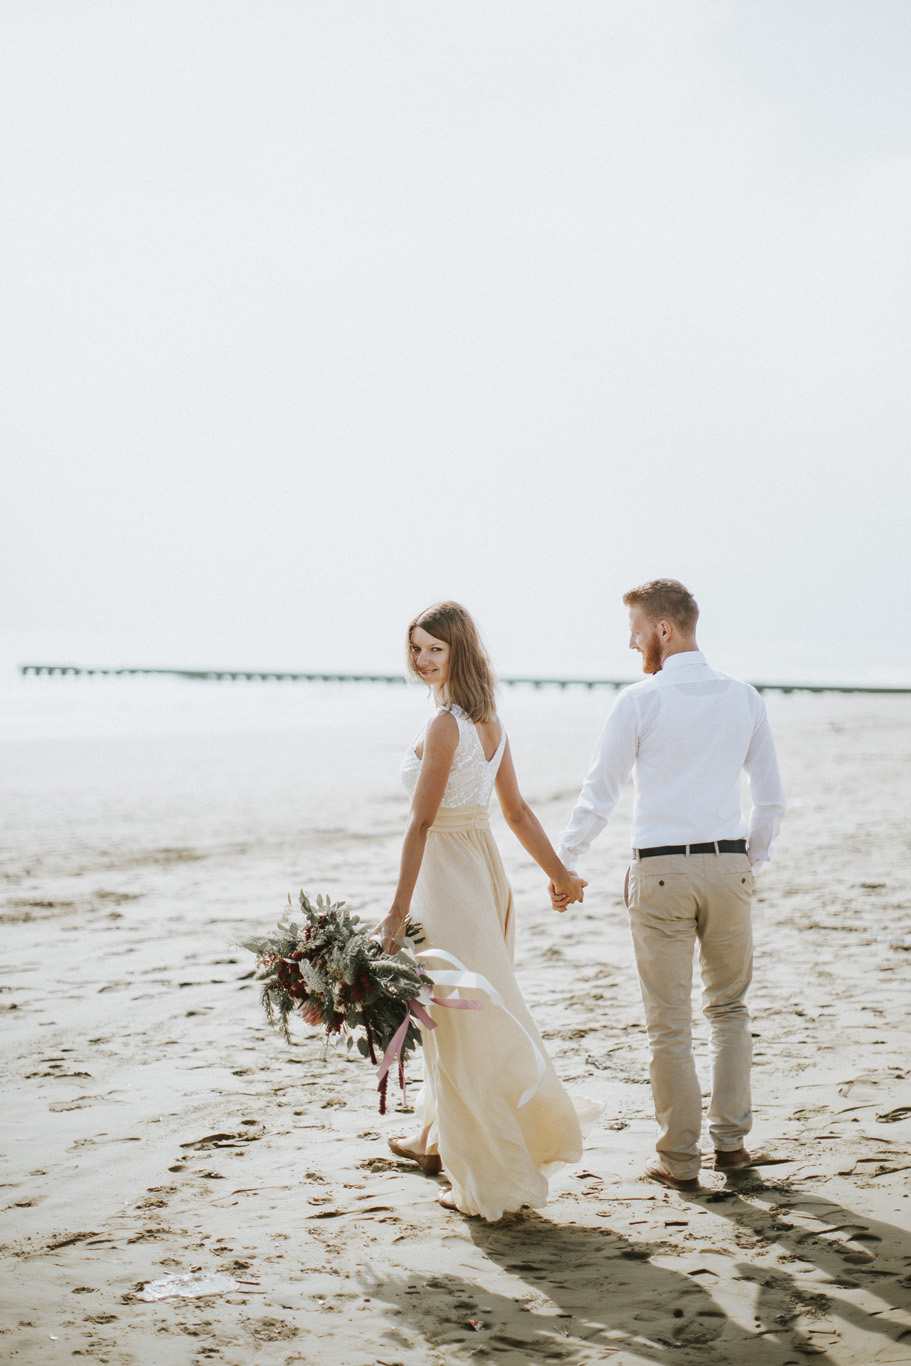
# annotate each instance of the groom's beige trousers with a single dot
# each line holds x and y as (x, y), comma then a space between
(675, 902)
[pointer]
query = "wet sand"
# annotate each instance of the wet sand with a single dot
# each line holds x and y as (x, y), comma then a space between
(155, 1125)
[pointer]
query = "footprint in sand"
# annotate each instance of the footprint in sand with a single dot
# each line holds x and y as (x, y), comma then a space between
(707, 1325)
(270, 1330)
(859, 1247)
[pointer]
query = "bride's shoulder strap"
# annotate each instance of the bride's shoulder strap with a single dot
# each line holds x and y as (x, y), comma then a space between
(441, 719)
(457, 715)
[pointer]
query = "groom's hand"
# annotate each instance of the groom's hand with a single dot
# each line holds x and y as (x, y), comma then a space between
(563, 898)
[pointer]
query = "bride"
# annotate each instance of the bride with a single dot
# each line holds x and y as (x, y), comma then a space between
(495, 1145)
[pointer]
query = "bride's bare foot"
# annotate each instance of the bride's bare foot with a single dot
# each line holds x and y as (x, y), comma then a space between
(428, 1162)
(415, 1141)
(447, 1200)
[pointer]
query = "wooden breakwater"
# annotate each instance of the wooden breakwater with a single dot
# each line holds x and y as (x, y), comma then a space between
(285, 676)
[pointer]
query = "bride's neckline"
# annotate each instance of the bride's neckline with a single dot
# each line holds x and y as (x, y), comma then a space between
(456, 708)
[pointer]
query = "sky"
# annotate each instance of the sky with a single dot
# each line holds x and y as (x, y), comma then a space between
(318, 313)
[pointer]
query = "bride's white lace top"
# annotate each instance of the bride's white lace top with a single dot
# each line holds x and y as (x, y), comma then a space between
(472, 777)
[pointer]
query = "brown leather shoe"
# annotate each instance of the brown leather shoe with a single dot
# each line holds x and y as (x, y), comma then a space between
(428, 1162)
(655, 1170)
(732, 1162)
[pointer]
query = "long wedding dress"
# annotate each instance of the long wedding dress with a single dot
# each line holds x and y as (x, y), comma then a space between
(478, 1064)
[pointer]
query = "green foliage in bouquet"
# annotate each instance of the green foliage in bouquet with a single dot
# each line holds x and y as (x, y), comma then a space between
(338, 979)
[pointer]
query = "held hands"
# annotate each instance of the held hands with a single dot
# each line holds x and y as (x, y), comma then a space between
(566, 890)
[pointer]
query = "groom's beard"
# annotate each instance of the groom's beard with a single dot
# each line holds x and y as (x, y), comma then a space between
(651, 657)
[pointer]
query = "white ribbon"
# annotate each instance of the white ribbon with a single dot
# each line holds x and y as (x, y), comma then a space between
(464, 978)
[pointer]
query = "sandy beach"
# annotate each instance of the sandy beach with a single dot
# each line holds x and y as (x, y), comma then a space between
(155, 1126)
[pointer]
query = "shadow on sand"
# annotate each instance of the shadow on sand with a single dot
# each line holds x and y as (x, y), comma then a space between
(591, 1293)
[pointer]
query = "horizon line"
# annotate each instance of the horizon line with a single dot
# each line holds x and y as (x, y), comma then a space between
(345, 676)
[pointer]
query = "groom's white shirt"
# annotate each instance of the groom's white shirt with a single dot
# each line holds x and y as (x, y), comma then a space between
(686, 734)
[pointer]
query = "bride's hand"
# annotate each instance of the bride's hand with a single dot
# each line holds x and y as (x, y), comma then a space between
(567, 890)
(390, 931)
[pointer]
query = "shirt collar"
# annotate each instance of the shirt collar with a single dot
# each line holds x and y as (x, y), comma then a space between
(684, 660)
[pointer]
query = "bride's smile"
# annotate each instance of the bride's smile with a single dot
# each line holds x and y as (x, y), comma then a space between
(430, 657)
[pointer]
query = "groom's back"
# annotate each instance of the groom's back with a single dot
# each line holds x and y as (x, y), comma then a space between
(694, 728)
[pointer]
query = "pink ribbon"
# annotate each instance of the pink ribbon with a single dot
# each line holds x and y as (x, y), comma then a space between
(416, 1010)
(461, 978)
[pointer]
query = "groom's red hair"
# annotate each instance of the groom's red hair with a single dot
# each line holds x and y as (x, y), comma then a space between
(666, 600)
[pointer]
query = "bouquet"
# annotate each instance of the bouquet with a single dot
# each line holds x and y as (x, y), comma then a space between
(338, 979)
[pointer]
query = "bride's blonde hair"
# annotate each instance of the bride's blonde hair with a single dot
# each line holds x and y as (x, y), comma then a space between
(471, 684)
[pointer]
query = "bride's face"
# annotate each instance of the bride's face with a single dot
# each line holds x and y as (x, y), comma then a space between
(430, 657)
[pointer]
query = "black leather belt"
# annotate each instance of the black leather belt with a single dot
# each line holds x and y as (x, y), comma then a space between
(712, 847)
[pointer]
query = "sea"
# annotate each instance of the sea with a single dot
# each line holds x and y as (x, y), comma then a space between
(100, 770)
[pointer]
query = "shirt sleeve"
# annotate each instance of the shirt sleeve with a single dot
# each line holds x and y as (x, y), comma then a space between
(611, 765)
(766, 791)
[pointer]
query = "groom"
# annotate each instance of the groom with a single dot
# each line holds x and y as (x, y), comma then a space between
(686, 733)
